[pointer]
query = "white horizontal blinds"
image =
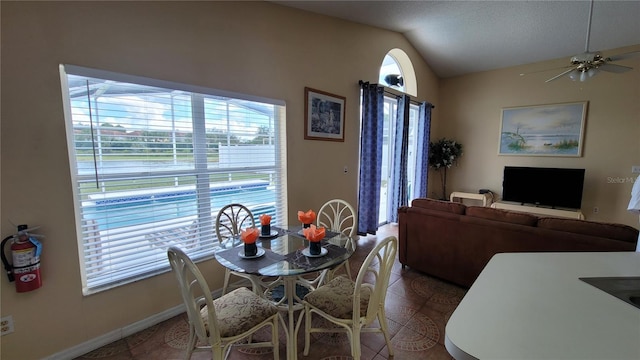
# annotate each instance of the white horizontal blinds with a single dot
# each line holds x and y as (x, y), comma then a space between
(244, 143)
(154, 165)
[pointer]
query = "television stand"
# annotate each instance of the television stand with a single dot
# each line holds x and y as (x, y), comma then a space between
(458, 196)
(573, 214)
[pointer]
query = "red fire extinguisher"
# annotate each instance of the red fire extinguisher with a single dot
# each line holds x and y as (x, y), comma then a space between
(25, 253)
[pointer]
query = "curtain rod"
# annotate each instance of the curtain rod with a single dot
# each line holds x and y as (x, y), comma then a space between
(360, 82)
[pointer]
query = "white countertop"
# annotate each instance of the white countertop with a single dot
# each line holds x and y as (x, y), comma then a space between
(533, 306)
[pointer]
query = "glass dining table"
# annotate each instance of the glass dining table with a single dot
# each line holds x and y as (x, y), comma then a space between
(284, 255)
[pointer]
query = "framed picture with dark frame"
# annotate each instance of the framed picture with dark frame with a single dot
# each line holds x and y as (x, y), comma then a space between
(323, 115)
(543, 130)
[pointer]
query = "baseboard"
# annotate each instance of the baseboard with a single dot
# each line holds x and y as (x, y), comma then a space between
(123, 332)
(117, 334)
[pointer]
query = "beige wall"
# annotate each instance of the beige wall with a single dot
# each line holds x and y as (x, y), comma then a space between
(259, 49)
(471, 110)
(253, 48)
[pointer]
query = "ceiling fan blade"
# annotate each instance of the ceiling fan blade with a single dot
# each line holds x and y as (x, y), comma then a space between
(561, 74)
(624, 56)
(545, 70)
(614, 68)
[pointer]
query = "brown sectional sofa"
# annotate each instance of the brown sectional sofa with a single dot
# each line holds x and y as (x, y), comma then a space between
(454, 242)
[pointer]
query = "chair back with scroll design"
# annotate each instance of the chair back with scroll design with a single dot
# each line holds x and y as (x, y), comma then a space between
(339, 216)
(355, 305)
(231, 219)
(223, 322)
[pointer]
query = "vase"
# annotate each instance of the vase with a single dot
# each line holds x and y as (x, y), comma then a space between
(250, 249)
(314, 247)
(266, 230)
(304, 226)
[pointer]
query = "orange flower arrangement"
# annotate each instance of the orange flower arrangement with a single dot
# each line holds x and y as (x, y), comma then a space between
(314, 234)
(265, 222)
(265, 219)
(307, 217)
(249, 235)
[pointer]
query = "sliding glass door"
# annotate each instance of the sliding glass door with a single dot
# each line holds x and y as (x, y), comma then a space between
(390, 112)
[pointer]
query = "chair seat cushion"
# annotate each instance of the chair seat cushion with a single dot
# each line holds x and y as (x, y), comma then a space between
(336, 297)
(239, 311)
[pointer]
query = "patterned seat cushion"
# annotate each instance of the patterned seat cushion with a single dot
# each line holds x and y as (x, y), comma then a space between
(336, 297)
(239, 311)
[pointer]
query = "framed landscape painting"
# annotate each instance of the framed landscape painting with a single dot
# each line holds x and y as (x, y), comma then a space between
(323, 115)
(543, 130)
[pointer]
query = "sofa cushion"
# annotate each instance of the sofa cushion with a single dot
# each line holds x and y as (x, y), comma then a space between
(440, 205)
(604, 230)
(501, 215)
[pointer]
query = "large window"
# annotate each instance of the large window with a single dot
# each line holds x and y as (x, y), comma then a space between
(396, 72)
(152, 162)
(391, 73)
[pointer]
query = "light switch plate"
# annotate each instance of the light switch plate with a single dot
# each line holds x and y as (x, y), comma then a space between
(635, 169)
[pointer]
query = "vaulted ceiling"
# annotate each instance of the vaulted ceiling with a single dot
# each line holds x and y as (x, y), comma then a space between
(461, 37)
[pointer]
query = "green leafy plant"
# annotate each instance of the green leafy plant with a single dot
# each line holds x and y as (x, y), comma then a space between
(443, 154)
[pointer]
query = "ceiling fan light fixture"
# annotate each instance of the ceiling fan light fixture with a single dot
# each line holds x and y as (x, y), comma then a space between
(589, 64)
(574, 75)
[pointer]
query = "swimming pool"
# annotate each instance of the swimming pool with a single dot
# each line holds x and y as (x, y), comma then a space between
(131, 208)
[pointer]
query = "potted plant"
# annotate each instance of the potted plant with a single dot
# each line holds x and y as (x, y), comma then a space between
(442, 154)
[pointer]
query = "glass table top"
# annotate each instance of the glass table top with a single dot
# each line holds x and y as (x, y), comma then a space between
(283, 253)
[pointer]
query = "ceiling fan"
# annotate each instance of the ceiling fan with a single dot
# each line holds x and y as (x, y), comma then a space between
(588, 64)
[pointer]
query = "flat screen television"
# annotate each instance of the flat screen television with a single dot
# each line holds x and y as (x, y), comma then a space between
(549, 187)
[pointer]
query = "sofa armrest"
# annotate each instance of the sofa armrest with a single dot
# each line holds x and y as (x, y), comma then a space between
(419, 229)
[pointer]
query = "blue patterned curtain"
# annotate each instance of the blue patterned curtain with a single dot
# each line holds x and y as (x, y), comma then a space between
(399, 181)
(370, 158)
(422, 145)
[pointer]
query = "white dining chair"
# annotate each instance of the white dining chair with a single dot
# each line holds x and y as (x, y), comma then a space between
(354, 305)
(338, 216)
(231, 219)
(225, 321)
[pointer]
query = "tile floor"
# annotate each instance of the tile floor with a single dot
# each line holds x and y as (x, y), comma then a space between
(418, 307)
